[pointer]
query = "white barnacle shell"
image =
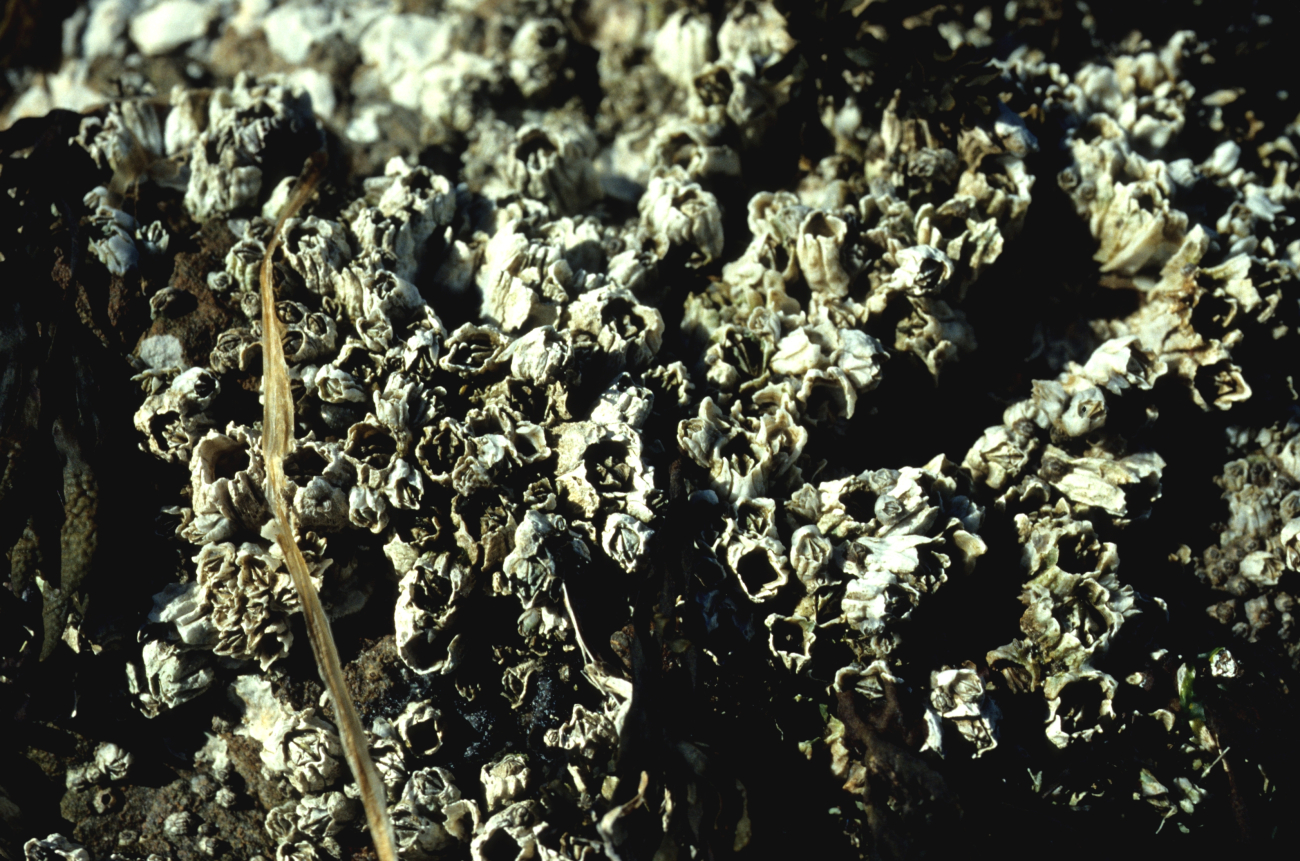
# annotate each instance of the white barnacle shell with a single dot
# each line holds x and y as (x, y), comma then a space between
(694, 148)
(753, 551)
(791, 640)
(752, 37)
(316, 248)
(56, 847)
(505, 780)
(553, 163)
(428, 599)
(622, 327)
(420, 727)
(513, 827)
(625, 540)
(1111, 484)
(113, 761)
(153, 238)
(922, 270)
(226, 476)
(538, 355)
(389, 757)
(675, 212)
(810, 557)
(319, 817)
(167, 676)
(471, 350)
(307, 335)
(114, 246)
(623, 402)
(683, 46)
(243, 261)
(537, 54)
(819, 245)
(173, 420)
(530, 571)
(296, 744)
(413, 203)
(747, 457)
(958, 695)
(600, 467)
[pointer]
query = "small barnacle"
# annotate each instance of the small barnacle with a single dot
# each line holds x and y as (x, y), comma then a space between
(791, 639)
(553, 163)
(623, 402)
(471, 350)
(505, 780)
(420, 727)
(543, 547)
(683, 46)
(510, 830)
(690, 147)
(625, 540)
(537, 53)
(113, 761)
(167, 676)
(153, 238)
(414, 202)
(675, 212)
(923, 270)
(389, 757)
(819, 247)
(958, 695)
(114, 246)
(56, 847)
(810, 557)
(626, 330)
(316, 249)
(320, 817)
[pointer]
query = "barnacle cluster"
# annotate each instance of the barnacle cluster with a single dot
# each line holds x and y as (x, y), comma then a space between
(686, 395)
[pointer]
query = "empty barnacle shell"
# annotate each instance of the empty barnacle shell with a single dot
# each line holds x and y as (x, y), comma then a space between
(691, 147)
(553, 163)
(472, 350)
(625, 329)
(922, 270)
(420, 727)
(675, 212)
(601, 466)
(747, 457)
(513, 827)
(55, 847)
(505, 780)
(791, 639)
(958, 695)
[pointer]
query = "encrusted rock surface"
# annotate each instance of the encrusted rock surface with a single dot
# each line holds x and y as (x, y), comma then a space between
(769, 429)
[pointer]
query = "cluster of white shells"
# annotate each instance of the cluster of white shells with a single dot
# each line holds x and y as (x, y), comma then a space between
(500, 459)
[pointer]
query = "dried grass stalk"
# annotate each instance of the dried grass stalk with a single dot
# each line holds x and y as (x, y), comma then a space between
(277, 438)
